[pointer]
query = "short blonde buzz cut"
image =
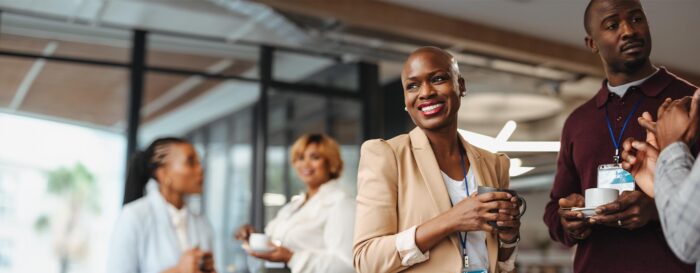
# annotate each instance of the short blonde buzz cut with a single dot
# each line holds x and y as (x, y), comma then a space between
(328, 148)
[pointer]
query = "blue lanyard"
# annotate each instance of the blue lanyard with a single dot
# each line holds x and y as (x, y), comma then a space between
(616, 142)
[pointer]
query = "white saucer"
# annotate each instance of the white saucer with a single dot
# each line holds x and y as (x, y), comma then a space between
(265, 249)
(587, 212)
(262, 250)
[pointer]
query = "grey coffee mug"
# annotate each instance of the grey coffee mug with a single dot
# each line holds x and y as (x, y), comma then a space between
(523, 205)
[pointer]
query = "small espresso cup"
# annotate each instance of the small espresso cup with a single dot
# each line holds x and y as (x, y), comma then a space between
(259, 242)
(600, 196)
(523, 205)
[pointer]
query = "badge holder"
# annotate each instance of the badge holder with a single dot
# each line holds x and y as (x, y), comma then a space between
(467, 267)
(613, 176)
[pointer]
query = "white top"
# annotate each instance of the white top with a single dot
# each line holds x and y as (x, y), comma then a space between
(145, 240)
(318, 232)
(178, 217)
(476, 240)
(620, 90)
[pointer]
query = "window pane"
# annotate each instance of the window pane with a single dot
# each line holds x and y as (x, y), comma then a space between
(290, 116)
(41, 36)
(217, 117)
(202, 56)
(62, 164)
(88, 95)
(314, 69)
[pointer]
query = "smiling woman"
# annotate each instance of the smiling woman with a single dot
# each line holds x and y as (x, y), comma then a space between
(313, 232)
(417, 210)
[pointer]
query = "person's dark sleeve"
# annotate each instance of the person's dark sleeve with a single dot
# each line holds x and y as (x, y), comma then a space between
(566, 182)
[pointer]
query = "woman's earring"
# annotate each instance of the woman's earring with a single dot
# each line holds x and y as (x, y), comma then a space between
(405, 109)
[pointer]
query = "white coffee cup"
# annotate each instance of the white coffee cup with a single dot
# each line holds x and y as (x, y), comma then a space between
(600, 196)
(259, 242)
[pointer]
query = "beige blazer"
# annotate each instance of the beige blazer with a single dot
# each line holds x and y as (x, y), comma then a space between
(399, 186)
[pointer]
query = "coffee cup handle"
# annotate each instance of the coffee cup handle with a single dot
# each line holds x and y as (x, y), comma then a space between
(523, 206)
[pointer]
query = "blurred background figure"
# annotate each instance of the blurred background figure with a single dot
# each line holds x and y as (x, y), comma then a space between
(313, 232)
(159, 232)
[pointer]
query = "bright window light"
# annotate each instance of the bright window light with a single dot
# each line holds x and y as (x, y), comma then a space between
(501, 144)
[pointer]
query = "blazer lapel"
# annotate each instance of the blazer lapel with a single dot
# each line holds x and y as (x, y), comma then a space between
(430, 171)
(475, 161)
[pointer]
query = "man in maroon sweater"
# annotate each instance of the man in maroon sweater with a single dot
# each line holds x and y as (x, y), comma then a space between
(629, 238)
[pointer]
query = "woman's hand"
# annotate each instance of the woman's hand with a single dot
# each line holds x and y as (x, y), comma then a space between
(508, 230)
(189, 262)
(244, 232)
(278, 254)
(474, 212)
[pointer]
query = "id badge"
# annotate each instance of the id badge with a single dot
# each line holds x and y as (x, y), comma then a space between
(613, 176)
(469, 268)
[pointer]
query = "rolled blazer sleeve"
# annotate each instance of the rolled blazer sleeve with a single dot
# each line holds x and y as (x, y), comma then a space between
(376, 220)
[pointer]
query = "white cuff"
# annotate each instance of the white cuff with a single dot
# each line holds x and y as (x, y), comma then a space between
(408, 250)
(297, 261)
(508, 265)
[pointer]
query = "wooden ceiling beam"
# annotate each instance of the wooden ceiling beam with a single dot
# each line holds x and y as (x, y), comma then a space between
(470, 36)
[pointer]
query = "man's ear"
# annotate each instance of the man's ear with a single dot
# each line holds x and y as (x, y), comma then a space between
(590, 44)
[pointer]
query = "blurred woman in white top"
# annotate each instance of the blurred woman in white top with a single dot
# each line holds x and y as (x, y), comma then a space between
(313, 232)
(159, 232)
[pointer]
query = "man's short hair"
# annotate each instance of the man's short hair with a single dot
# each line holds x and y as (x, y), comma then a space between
(587, 17)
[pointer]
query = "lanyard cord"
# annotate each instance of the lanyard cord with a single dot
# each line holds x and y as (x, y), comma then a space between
(463, 241)
(616, 142)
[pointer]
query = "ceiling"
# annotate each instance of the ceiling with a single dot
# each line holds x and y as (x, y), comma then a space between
(537, 98)
(673, 22)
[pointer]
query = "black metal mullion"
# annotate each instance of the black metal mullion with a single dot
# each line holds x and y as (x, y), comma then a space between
(138, 62)
(260, 141)
(288, 139)
(373, 100)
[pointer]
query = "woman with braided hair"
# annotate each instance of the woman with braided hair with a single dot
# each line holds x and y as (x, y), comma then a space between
(158, 232)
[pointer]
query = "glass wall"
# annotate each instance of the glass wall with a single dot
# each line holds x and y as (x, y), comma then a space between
(62, 163)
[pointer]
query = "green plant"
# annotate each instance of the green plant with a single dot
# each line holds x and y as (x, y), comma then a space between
(77, 191)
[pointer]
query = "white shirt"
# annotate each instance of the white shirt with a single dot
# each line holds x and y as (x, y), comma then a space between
(144, 239)
(178, 217)
(318, 232)
(620, 90)
(476, 241)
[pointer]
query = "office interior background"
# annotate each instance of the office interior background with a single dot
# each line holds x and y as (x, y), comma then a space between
(84, 83)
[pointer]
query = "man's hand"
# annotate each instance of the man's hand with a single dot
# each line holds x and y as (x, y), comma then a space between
(678, 121)
(639, 158)
(632, 210)
(573, 221)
